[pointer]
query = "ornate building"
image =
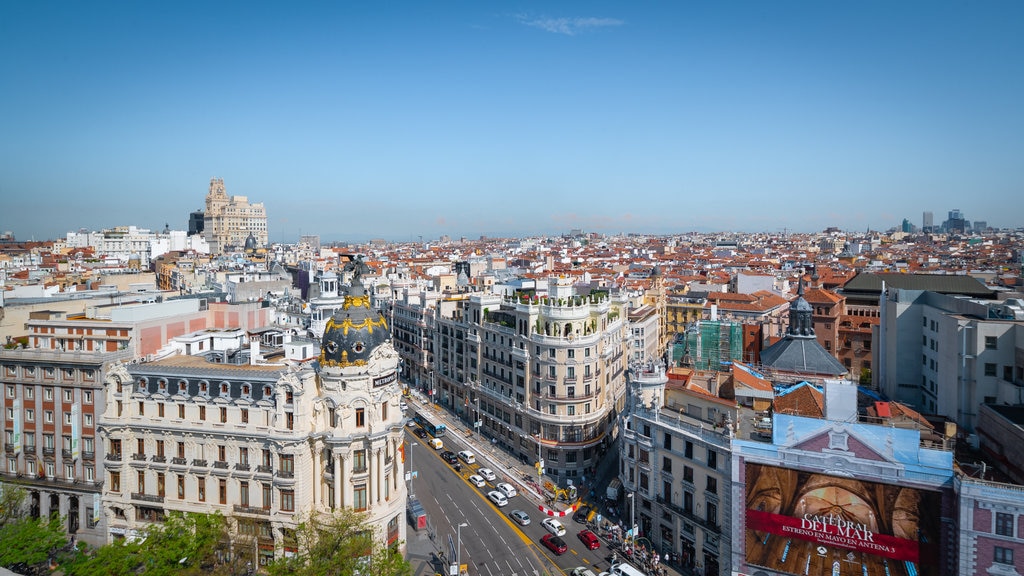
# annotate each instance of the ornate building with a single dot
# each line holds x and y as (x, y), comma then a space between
(266, 441)
(229, 221)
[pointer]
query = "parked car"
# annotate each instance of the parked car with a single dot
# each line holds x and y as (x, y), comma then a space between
(521, 518)
(553, 526)
(498, 498)
(467, 457)
(476, 480)
(488, 474)
(554, 543)
(589, 539)
(507, 489)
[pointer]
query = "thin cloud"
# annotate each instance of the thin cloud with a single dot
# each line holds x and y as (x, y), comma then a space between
(568, 26)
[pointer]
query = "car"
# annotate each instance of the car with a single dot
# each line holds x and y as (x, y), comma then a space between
(583, 571)
(554, 543)
(589, 539)
(553, 526)
(488, 474)
(521, 518)
(507, 489)
(420, 433)
(467, 457)
(476, 480)
(498, 498)
(581, 513)
(403, 406)
(449, 457)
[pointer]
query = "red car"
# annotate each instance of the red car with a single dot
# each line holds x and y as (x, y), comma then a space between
(589, 539)
(554, 543)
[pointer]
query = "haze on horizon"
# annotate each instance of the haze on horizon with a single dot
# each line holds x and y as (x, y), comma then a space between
(352, 121)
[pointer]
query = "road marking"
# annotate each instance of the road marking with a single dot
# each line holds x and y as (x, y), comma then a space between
(574, 552)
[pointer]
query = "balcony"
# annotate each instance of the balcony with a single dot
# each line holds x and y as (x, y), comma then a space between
(48, 452)
(199, 462)
(113, 456)
(9, 448)
(244, 466)
(147, 498)
(179, 461)
(140, 457)
(251, 510)
(289, 473)
(88, 455)
(689, 515)
(264, 469)
(65, 453)
(160, 459)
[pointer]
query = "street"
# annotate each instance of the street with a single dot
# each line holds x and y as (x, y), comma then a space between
(492, 544)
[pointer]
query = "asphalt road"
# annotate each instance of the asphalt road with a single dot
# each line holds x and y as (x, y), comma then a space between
(492, 544)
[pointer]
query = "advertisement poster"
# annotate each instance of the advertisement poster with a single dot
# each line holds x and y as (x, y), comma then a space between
(807, 523)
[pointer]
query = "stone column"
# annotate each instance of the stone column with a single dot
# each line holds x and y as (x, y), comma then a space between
(337, 480)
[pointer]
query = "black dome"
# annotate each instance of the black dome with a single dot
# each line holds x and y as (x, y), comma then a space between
(354, 331)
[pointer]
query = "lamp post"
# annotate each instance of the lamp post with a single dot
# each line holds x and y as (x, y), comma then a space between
(458, 549)
(412, 472)
(632, 518)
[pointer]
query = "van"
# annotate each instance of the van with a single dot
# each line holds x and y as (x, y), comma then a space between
(436, 444)
(624, 569)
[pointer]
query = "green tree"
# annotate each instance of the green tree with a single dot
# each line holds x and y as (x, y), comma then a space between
(183, 544)
(28, 543)
(339, 544)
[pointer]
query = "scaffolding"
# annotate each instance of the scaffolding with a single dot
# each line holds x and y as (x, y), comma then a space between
(709, 345)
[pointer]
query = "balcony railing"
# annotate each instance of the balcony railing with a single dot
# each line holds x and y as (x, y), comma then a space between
(49, 452)
(265, 469)
(147, 497)
(242, 466)
(141, 457)
(286, 473)
(199, 462)
(252, 510)
(179, 461)
(220, 464)
(689, 515)
(115, 456)
(88, 455)
(159, 459)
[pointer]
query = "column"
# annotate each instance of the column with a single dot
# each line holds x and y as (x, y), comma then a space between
(318, 475)
(378, 473)
(337, 480)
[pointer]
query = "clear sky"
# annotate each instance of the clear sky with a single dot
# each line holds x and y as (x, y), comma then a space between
(395, 120)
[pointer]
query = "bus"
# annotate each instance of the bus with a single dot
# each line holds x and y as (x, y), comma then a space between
(435, 430)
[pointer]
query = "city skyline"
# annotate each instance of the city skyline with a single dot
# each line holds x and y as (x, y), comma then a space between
(349, 121)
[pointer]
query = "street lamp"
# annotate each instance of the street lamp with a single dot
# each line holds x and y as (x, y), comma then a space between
(412, 472)
(632, 517)
(458, 549)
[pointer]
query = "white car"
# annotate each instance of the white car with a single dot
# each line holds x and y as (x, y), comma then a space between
(552, 525)
(499, 500)
(467, 457)
(507, 489)
(476, 480)
(488, 474)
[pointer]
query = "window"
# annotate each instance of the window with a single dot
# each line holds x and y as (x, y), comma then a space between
(223, 415)
(67, 418)
(687, 474)
(160, 485)
(48, 416)
(245, 415)
(181, 411)
(287, 464)
(266, 496)
(10, 390)
(141, 446)
(222, 491)
(243, 456)
(688, 451)
(712, 459)
(1004, 524)
(359, 461)
(1002, 555)
(160, 448)
(243, 493)
(359, 498)
(288, 500)
(990, 369)
(202, 412)
(115, 481)
(202, 489)
(141, 480)
(712, 487)
(222, 453)
(991, 342)
(142, 408)
(181, 486)
(570, 410)
(68, 393)
(666, 464)
(712, 514)
(289, 420)
(384, 411)
(160, 410)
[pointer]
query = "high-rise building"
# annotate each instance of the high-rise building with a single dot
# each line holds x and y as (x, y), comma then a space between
(229, 221)
(928, 222)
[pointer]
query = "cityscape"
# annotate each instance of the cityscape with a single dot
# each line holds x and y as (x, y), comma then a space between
(689, 404)
(530, 289)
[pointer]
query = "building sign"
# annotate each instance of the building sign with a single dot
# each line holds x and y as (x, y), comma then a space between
(76, 431)
(385, 380)
(16, 434)
(807, 523)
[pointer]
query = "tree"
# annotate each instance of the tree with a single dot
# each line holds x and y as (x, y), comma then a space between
(28, 543)
(339, 544)
(183, 544)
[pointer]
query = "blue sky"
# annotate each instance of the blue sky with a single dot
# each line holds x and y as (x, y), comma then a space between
(395, 120)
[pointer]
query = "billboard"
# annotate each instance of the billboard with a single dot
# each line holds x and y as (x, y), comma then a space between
(801, 522)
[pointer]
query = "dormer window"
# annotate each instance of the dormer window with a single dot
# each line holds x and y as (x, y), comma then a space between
(142, 384)
(245, 390)
(204, 388)
(182, 386)
(267, 392)
(162, 384)
(223, 388)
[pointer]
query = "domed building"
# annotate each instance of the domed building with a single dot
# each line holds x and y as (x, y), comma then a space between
(359, 448)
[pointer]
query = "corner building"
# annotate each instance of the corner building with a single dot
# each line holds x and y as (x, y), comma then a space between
(266, 443)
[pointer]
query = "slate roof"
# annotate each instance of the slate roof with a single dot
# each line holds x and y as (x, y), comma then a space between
(941, 283)
(802, 355)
